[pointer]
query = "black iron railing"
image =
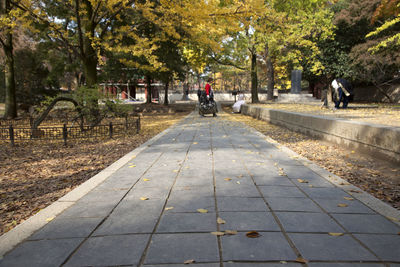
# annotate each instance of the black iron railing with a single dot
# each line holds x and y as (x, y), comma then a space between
(16, 133)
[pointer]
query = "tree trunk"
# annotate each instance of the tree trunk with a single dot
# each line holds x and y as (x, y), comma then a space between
(11, 102)
(148, 80)
(90, 69)
(166, 102)
(254, 81)
(270, 78)
(382, 91)
(43, 116)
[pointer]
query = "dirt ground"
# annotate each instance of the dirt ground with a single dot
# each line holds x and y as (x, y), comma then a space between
(372, 113)
(379, 178)
(33, 175)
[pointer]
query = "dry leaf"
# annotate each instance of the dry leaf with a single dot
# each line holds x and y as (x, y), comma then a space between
(218, 233)
(342, 205)
(336, 234)
(133, 157)
(195, 143)
(146, 180)
(169, 208)
(202, 210)
(144, 198)
(189, 261)
(228, 179)
(301, 260)
(238, 182)
(348, 198)
(393, 219)
(220, 221)
(231, 232)
(302, 181)
(132, 166)
(253, 234)
(50, 219)
(175, 170)
(354, 191)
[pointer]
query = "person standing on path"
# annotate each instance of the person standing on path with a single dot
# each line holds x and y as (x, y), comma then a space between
(210, 95)
(342, 92)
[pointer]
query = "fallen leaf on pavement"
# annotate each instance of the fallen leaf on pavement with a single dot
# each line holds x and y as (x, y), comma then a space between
(202, 210)
(336, 234)
(342, 205)
(228, 179)
(169, 208)
(348, 198)
(144, 198)
(231, 232)
(354, 191)
(146, 180)
(218, 233)
(132, 166)
(189, 261)
(195, 143)
(301, 260)
(393, 219)
(220, 221)
(253, 234)
(50, 219)
(302, 181)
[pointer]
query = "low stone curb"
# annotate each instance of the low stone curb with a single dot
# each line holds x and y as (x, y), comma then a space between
(22, 231)
(379, 140)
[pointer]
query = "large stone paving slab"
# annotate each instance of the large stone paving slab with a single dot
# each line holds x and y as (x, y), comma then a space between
(267, 247)
(41, 253)
(327, 248)
(178, 248)
(147, 212)
(110, 250)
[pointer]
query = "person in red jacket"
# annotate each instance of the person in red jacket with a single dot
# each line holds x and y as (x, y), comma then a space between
(208, 88)
(210, 96)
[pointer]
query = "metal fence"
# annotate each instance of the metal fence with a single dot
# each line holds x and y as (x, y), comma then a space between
(14, 133)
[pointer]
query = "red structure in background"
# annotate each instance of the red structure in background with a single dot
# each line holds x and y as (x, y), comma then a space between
(128, 90)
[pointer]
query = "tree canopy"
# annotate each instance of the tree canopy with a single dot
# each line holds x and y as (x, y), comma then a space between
(165, 39)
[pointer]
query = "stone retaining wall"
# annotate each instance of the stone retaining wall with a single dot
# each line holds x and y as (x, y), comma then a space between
(383, 141)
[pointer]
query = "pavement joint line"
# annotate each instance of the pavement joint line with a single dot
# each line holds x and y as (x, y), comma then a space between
(221, 264)
(24, 230)
(283, 231)
(367, 199)
(145, 251)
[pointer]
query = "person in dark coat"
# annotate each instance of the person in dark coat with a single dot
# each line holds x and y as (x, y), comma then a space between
(342, 91)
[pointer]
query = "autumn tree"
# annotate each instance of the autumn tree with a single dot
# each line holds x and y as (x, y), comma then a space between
(9, 19)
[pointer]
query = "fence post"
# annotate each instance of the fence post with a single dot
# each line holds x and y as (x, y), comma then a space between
(111, 130)
(65, 134)
(138, 125)
(11, 131)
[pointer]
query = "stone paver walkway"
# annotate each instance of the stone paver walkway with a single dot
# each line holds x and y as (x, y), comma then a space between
(152, 211)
